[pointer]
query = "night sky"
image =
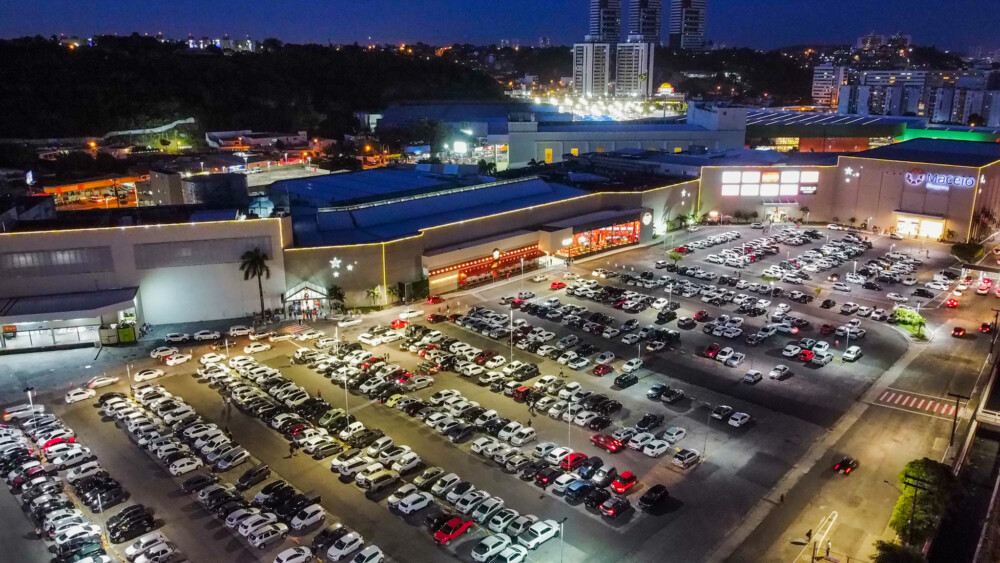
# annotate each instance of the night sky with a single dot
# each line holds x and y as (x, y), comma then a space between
(949, 24)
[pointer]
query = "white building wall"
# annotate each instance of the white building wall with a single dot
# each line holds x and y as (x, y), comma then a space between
(171, 294)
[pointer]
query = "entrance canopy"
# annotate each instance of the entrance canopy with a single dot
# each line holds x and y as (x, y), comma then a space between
(90, 304)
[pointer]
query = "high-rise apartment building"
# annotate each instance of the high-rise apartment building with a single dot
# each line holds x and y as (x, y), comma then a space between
(591, 69)
(634, 68)
(645, 20)
(827, 80)
(605, 21)
(687, 24)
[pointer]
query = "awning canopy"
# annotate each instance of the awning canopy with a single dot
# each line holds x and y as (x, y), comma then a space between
(596, 220)
(65, 306)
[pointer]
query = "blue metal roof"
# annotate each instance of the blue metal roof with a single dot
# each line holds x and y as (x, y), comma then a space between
(772, 117)
(408, 216)
(615, 126)
(938, 151)
(340, 189)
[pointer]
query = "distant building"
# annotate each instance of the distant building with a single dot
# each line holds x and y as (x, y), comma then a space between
(591, 69)
(169, 187)
(944, 96)
(687, 24)
(250, 140)
(225, 43)
(634, 68)
(827, 80)
(645, 19)
(605, 21)
(544, 42)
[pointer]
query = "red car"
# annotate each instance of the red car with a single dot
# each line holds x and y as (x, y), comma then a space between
(986, 327)
(434, 299)
(701, 315)
(435, 318)
(54, 441)
(624, 482)
(423, 351)
(827, 329)
(806, 355)
(682, 249)
(451, 530)
(602, 369)
(557, 285)
(516, 304)
(399, 323)
(951, 303)
(572, 461)
(712, 350)
(607, 442)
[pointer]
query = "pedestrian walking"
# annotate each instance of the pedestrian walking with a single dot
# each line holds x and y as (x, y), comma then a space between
(319, 393)
(228, 432)
(809, 534)
(561, 374)
(782, 499)
(529, 423)
(291, 449)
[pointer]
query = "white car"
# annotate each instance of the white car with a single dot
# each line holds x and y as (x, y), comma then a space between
(656, 448)
(674, 434)
(184, 465)
(311, 334)
(300, 554)
(852, 354)
(739, 419)
(370, 554)
(840, 286)
(752, 376)
(735, 360)
(308, 516)
(147, 374)
(211, 358)
(791, 351)
(102, 381)
(206, 335)
(632, 365)
(83, 471)
(606, 357)
(538, 533)
(349, 321)
(897, 298)
(415, 502)
(257, 521)
(345, 546)
(143, 543)
(176, 359)
(77, 531)
(255, 347)
(177, 337)
(490, 546)
(77, 395)
(163, 352)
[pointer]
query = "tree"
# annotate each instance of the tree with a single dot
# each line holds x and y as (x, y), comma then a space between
(836, 219)
(374, 294)
(253, 264)
(279, 145)
(335, 293)
(852, 220)
(976, 119)
(393, 292)
(754, 215)
(889, 552)
(911, 318)
(486, 168)
(739, 215)
(164, 143)
(949, 234)
(918, 511)
(676, 257)
(967, 252)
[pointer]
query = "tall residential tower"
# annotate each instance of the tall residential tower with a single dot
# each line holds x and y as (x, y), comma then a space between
(605, 21)
(645, 19)
(687, 24)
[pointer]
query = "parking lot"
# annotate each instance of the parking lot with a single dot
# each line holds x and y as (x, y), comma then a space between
(736, 465)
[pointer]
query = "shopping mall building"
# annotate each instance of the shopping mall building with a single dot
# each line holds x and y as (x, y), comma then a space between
(83, 277)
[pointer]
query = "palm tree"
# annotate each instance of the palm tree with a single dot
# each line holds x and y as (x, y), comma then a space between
(335, 293)
(949, 234)
(374, 294)
(393, 293)
(852, 220)
(253, 264)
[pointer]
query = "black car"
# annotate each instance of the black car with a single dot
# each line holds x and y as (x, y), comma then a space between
(547, 476)
(69, 550)
(608, 407)
(473, 413)
(106, 498)
(127, 513)
(292, 506)
(599, 423)
(596, 498)
(460, 433)
(323, 540)
(872, 285)
(131, 529)
(828, 303)
(665, 316)
(615, 506)
(278, 497)
(921, 292)
(252, 476)
(648, 422)
(654, 497)
(437, 518)
(84, 551)
(589, 467)
(426, 480)
(656, 391)
(528, 472)
(626, 380)
(585, 350)
(339, 423)
(108, 396)
(494, 426)
(232, 506)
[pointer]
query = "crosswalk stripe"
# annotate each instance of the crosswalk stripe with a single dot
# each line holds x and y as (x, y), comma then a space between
(930, 405)
(884, 395)
(921, 405)
(898, 399)
(951, 410)
(938, 407)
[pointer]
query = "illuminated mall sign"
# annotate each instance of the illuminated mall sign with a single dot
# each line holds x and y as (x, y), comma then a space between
(769, 183)
(917, 177)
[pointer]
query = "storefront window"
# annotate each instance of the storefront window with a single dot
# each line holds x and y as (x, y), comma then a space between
(596, 240)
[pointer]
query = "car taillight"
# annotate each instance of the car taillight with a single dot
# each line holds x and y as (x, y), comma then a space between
(837, 466)
(848, 470)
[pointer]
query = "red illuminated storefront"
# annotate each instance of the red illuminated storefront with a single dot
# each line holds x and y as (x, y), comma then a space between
(496, 266)
(604, 238)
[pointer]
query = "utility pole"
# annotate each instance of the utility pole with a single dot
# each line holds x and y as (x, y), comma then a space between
(954, 420)
(918, 485)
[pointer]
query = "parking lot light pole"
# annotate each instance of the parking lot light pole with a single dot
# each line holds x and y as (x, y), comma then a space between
(31, 402)
(562, 535)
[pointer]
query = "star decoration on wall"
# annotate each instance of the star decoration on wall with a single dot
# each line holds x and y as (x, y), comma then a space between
(335, 263)
(350, 267)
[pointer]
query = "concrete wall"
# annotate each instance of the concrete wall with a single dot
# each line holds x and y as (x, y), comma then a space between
(167, 294)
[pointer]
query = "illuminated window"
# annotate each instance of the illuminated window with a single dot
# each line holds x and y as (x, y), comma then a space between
(770, 177)
(769, 190)
(789, 189)
(750, 190)
(731, 177)
(574, 151)
(678, 149)
(600, 149)
(809, 177)
(789, 176)
(751, 177)
(548, 156)
(730, 189)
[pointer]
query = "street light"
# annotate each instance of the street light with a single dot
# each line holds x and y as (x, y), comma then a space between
(562, 535)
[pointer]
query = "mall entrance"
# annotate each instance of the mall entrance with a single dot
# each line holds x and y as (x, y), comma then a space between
(920, 227)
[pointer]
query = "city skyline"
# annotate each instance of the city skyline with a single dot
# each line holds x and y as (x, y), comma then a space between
(777, 23)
